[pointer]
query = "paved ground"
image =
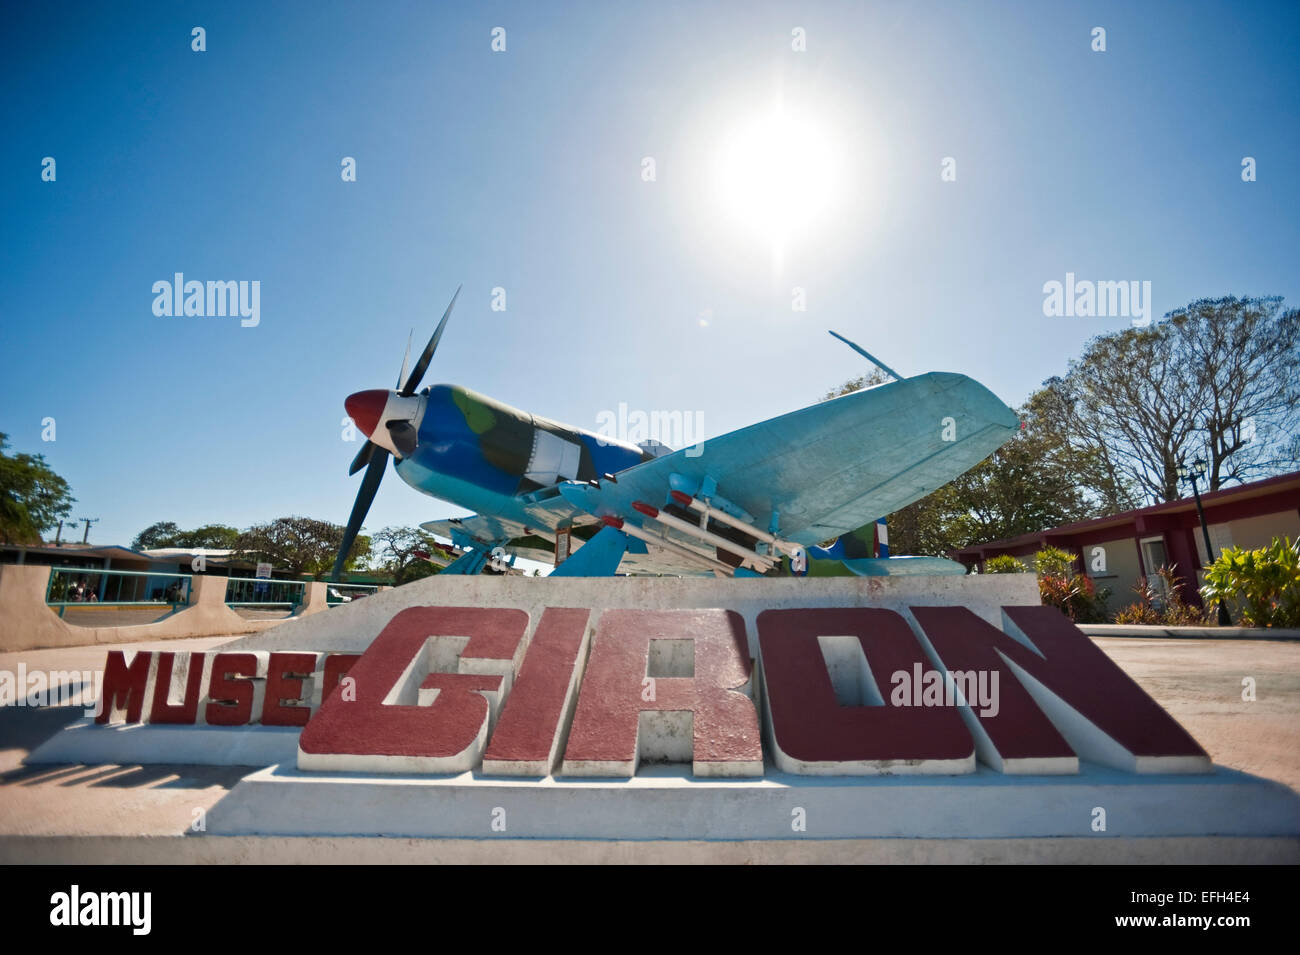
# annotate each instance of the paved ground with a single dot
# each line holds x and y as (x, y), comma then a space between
(106, 615)
(1198, 681)
(107, 800)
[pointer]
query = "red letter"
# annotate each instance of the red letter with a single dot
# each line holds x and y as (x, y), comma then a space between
(186, 711)
(626, 713)
(1080, 693)
(231, 699)
(817, 734)
(119, 680)
(284, 676)
(526, 740)
(468, 655)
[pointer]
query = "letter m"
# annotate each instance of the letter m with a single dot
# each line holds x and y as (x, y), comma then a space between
(116, 903)
(1068, 701)
(1116, 300)
(223, 299)
(124, 686)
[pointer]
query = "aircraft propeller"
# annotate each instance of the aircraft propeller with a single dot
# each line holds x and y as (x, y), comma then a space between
(374, 457)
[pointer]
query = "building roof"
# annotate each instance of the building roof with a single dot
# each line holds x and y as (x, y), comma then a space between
(94, 551)
(1231, 495)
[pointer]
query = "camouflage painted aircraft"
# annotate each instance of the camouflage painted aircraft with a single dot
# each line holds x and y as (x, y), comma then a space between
(755, 502)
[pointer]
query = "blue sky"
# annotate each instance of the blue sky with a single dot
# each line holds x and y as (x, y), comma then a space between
(523, 170)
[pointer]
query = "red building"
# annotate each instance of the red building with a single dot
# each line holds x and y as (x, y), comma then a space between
(1115, 551)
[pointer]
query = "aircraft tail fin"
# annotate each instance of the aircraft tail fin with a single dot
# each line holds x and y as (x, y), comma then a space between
(856, 544)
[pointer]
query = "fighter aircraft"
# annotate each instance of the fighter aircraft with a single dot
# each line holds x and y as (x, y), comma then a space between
(755, 502)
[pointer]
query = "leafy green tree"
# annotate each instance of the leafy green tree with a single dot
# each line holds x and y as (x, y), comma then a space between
(33, 499)
(160, 534)
(400, 553)
(299, 545)
(168, 534)
(216, 536)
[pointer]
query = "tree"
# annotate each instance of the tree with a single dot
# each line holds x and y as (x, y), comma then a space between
(1215, 379)
(215, 536)
(1244, 353)
(402, 553)
(299, 545)
(168, 534)
(160, 534)
(33, 498)
(869, 380)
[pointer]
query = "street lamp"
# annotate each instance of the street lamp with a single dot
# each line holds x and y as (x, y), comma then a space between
(1190, 474)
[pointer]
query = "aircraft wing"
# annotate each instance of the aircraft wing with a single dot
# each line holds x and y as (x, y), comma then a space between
(484, 529)
(538, 544)
(829, 468)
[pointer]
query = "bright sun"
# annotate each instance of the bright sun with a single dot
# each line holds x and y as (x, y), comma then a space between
(776, 175)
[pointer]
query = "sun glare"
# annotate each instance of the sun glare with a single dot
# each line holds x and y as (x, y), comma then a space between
(776, 175)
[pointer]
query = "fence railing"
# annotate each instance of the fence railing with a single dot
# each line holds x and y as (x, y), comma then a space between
(261, 592)
(84, 586)
(336, 594)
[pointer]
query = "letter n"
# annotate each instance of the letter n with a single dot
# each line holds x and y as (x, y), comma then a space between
(1067, 697)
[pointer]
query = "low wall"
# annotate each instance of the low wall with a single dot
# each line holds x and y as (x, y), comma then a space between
(27, 623)
(351, 627)
(1188, 633)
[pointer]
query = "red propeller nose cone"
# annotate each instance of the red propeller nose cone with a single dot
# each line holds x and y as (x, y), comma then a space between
(365, 408)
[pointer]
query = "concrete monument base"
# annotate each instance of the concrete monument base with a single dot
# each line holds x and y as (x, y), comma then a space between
(663, 802)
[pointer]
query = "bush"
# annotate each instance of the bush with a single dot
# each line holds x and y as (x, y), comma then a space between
(1004, 564)
(1073, 594)
(1052, 561)
(1263, 584)
(1157, 607)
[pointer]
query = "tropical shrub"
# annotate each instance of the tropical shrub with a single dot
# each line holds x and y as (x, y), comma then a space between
(1004, 564)
(1263, 585)
(1054, 562)
(1162, 606)
(1073, 594)
(1143, 610)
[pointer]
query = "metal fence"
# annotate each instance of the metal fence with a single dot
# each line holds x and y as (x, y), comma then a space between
(261, 592)
(84, 586)
(336, 594)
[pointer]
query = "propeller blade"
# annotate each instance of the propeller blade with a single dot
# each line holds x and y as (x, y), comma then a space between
(363, 457)
(401, 375)
(365, 497)
(422, 365)
(404, 437)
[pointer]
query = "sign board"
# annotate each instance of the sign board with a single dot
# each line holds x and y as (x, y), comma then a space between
(841, 691)
(563, 540)
(263, 571)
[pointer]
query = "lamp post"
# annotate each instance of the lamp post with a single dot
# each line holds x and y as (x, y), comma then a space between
(1190, 474)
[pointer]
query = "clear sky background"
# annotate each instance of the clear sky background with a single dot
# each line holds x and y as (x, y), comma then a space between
(523, 170)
